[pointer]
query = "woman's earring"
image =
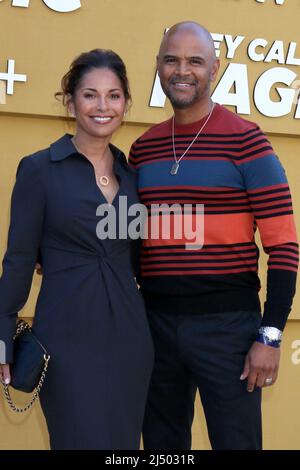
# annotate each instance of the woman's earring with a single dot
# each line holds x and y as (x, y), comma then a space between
(71, 111)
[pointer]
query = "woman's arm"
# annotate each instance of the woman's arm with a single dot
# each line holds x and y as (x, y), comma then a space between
(26, 223)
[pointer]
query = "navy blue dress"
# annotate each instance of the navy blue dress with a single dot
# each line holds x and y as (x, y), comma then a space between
(89, 314)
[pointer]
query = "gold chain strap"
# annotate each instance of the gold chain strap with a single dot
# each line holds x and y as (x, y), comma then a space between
(22, 325)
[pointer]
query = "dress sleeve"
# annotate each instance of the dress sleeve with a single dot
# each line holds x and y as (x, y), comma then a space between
(26, 222)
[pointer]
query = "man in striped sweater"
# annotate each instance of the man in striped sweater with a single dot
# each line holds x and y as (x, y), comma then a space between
(203, 304)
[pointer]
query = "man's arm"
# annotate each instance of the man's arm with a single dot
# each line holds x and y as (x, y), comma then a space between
(270, 200)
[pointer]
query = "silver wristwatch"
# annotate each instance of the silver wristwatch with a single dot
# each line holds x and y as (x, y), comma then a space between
(269, 335)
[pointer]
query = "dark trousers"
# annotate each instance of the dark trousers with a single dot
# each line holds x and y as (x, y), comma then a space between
(204, 352)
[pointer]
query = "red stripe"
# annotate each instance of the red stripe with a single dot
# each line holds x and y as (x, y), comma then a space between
(208, 251)
(253, 199)
(253, 157)
(293, 246)
(198, 194)
(272, 212)
(200, 188)
(200, 257)
(143, 161)
(193, 201)
(166, 134)
(273, 253)
(208, 155)
(270, 204)
(267, 188)
(284, 268)
(182, 142)
(182, 273)
(196, 265)
(283, 261)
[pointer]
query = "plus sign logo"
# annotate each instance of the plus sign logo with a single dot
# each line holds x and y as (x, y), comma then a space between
(10, 77)
(62, 6)
(296, 354)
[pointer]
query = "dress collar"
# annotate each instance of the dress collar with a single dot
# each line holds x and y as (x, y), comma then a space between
(64, 147)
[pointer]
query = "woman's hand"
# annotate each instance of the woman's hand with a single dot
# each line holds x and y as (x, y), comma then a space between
(5, 373)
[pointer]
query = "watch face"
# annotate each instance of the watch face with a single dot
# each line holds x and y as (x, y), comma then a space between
(272, 333)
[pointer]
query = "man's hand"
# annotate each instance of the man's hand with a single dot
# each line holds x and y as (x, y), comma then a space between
(261, 366)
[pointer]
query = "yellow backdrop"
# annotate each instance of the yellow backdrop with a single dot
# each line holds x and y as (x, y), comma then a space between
(43, 42)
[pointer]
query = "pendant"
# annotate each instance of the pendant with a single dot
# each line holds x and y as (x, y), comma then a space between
(174, 168)
(103, 180)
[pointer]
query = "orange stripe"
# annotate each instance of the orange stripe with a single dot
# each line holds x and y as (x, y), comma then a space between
(228, 228)
(174, 229)
(277, 230)
(219, 229)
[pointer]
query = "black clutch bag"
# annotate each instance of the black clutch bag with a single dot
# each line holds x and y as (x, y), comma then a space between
(29, 368)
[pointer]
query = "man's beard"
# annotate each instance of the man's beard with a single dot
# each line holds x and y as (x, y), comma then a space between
(185, 102)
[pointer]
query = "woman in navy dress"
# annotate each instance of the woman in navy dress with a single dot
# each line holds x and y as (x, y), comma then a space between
(89, 314)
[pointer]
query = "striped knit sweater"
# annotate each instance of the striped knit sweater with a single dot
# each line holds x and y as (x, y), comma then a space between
(233, 171)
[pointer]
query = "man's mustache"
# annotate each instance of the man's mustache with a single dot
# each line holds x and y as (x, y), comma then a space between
(177, 79)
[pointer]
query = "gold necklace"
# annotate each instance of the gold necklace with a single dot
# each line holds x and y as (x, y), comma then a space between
(103, 180)
(175, 165)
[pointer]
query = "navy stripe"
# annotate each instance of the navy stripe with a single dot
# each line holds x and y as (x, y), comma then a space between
(274, 215)
(197, 146)
(238, 134)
